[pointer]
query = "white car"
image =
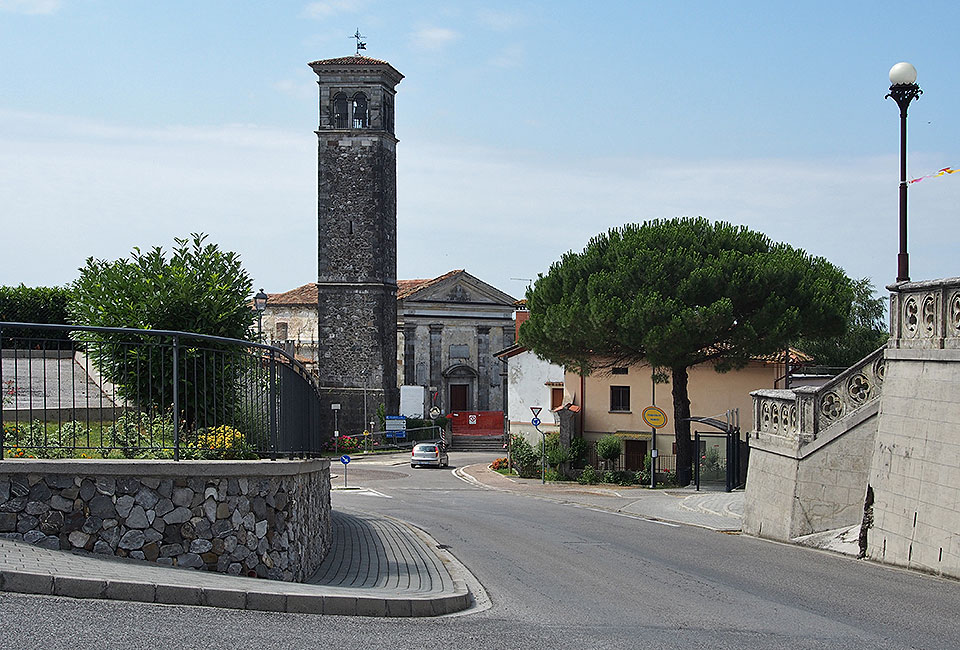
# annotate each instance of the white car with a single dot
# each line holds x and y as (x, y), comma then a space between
(429, 453)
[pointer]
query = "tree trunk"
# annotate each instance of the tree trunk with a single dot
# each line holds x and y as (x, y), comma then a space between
(681, 411)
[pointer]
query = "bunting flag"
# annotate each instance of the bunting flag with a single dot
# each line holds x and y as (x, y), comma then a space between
(942, 172)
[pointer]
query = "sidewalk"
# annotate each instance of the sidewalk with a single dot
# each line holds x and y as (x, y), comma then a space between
(715, 510)
(378, 566)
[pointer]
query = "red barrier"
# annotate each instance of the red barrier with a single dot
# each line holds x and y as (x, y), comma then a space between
(476, 423)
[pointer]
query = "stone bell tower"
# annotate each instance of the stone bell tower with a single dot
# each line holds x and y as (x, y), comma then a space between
(357, 243)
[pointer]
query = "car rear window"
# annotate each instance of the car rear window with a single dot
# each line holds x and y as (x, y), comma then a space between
(426, 448)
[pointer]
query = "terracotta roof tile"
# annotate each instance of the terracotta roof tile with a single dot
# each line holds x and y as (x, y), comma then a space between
(305, 295)
(409, 287)
(308, 295)
(350, 60)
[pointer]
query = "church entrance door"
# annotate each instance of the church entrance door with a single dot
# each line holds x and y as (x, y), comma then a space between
(459, 397)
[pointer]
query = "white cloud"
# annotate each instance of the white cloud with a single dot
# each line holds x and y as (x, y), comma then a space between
(327, 8)
(503, 214)
(433, 38)
(32, 7)
(85, 189)
(72, 188)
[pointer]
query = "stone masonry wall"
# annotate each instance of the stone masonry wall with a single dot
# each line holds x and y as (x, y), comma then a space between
(269, 519)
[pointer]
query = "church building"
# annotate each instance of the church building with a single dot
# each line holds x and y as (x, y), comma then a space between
(447, 331)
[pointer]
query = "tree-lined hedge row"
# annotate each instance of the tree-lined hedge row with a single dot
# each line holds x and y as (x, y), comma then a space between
(32, 305)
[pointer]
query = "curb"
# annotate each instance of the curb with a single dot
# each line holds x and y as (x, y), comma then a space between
(24, 582)
(465, 476)
(242, 593)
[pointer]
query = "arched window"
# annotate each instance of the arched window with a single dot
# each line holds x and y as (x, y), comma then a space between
(360, 116)
(340, 111)
(387, 115)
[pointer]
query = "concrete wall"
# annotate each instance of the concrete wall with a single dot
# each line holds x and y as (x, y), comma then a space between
(794, 490)
(269, 519)
(915, 470)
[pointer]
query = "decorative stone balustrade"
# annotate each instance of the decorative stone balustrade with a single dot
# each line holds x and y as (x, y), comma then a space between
(925, 315)
(799, 415)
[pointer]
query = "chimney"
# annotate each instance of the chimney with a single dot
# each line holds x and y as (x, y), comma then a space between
(521, 316)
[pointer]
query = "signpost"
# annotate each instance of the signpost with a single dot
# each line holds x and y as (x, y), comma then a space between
(336, 429)
(346, 461)
(543, 442)
(655, 418)
(396, 427)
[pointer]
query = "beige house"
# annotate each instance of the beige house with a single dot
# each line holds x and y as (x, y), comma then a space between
(612, 402)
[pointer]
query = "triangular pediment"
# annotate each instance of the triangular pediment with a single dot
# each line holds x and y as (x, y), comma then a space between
(459, 287)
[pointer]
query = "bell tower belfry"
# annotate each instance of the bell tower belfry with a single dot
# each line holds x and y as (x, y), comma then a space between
(357, 240)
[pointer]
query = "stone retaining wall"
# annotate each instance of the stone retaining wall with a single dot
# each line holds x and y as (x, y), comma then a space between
(269, 519)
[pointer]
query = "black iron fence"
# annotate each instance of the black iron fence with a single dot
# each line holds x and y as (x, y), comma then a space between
(120, 392)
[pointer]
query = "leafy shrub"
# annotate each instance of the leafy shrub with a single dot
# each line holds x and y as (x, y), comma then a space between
(609, 448)
(552, 475)
(588, 476)
(33, 305)
(525, 459)
(500, 463)
(134, 434)
(578, 451)
(554, 451)
(199, 289)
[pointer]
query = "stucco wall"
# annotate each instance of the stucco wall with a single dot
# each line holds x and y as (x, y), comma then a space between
(527, 376)
(711, 393)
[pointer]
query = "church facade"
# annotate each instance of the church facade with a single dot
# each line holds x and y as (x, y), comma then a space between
(447, 331)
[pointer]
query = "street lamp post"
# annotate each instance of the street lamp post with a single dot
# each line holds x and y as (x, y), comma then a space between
(903, 90)
(260, 304)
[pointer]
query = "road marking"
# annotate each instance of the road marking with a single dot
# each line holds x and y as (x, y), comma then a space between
(466, 478)
(363, 491)
(628, 516)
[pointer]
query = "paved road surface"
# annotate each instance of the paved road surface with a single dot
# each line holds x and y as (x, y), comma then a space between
(558, 575)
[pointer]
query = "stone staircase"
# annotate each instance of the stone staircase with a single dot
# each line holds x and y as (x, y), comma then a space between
(477, 443)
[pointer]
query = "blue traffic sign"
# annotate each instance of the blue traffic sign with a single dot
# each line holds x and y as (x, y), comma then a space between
(535, 422)
(344, 459)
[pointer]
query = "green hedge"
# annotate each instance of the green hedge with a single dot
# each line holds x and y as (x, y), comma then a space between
(33, 305)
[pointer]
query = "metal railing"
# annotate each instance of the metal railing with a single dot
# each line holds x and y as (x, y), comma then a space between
(387, 440)
(121, 392)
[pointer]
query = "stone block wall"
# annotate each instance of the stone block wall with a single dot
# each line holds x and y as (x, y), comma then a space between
(269, 519)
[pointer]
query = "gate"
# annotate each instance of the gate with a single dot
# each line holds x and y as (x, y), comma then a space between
(719, 456)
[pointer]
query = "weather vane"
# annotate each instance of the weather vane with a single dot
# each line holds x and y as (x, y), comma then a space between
(360, 44)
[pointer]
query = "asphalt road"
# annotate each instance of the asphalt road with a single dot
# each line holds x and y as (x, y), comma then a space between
(557, 576)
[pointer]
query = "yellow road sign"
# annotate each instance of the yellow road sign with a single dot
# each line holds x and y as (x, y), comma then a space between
(654, 417)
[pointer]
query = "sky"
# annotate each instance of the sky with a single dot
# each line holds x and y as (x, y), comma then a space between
(525, 129)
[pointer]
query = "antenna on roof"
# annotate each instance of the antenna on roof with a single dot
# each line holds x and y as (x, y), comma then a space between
(361, 45)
